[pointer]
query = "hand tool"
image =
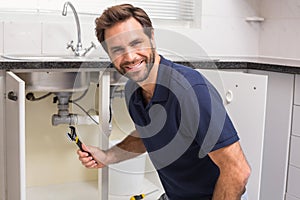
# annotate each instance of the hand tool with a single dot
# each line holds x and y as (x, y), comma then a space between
(74, 137)
(142, 196)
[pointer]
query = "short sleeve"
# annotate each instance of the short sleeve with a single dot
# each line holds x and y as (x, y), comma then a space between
(204, 109)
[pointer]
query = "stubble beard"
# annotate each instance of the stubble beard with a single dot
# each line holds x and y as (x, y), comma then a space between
(137, 76)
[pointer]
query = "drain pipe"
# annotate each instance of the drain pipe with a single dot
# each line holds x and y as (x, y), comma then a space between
(63, 115)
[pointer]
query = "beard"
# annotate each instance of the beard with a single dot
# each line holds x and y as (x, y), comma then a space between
(141, 75)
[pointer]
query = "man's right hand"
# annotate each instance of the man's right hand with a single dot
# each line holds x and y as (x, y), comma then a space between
(96, 160)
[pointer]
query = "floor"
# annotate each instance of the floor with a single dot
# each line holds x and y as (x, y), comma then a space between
(84, 190)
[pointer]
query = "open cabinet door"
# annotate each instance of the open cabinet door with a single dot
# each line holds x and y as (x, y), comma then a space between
(15, 137)
(245, 97)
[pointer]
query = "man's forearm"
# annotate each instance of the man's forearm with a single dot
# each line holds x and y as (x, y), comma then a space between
(234, 172)
(130, 147)
(228, 189)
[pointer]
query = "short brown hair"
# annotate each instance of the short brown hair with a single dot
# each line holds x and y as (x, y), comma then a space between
(120, 13)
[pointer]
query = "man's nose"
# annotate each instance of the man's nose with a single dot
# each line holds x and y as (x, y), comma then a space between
(129, 54)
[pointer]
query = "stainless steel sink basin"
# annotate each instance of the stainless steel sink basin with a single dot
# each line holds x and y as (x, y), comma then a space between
(65, 81)
(58, 81)
(55, 81)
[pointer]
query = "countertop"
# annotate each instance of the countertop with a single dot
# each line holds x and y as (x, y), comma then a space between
(267, 64)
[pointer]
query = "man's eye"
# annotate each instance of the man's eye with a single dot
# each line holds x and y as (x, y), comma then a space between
(136, 43)
(116, 51)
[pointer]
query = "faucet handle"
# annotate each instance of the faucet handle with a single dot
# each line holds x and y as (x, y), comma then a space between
(93, 45)
(70, 45)
(88, 49)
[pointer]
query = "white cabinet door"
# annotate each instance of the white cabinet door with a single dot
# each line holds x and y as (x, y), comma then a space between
(245, 97)
(2, 142)
(15, 137)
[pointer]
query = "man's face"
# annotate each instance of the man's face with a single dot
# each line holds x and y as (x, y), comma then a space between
(130, 49)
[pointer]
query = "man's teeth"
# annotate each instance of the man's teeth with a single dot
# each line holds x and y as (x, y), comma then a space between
(136, 65)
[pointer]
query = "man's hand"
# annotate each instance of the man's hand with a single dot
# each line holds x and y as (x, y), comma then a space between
(96, 160)
(130, 147)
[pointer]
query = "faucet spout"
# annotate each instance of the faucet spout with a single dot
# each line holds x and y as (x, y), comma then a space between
(64, 13)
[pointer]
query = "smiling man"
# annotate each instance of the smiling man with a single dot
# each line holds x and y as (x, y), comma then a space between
(179, 116)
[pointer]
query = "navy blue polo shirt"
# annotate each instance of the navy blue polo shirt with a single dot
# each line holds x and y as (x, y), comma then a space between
(184, 121)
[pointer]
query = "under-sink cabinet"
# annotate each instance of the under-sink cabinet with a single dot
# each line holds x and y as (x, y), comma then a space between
(16, 173)
(246, 96)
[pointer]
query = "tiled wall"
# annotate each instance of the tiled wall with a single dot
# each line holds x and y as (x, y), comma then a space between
(222, 31)
(1, 37)
(280, 32)
(22, 37)
(33, 34)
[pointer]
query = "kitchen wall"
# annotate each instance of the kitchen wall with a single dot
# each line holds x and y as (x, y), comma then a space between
(279, 36)
(43, 34)
(1, 37)
(221, 31)
(224, 30)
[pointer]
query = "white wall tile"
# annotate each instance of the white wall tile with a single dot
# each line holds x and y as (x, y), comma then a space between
(289, 42)
(279, 36)
(290, 8)
(223, 32)
(55, 37)
(280, 8)
(269, 38)
(226, 36)
(185, 45)
(17, 4)
(271, 8)
(231, 8)
(22, 38)
(88, 36)
(1, 37)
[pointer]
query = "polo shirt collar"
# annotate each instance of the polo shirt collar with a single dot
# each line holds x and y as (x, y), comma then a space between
(161, 91)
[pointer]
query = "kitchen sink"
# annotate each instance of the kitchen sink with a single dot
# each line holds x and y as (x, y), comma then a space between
(55, 81)
(65, 81)
(59, 81)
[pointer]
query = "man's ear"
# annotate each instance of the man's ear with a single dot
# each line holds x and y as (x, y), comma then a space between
(152, 39)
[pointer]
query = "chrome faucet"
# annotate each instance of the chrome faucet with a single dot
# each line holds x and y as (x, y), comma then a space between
(78, 50)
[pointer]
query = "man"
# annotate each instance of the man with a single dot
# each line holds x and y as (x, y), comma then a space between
(179, 117)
